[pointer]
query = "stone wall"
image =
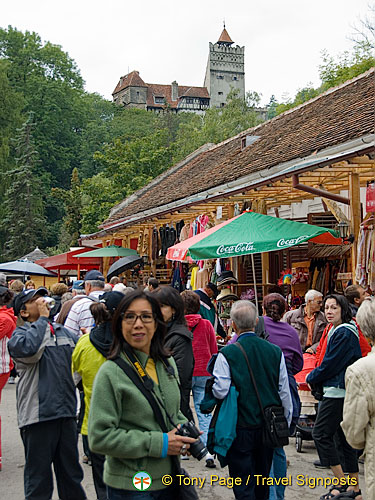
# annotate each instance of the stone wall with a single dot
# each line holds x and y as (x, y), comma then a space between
(225, 71)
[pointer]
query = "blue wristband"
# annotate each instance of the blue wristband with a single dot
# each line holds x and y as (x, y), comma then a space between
(165, 445)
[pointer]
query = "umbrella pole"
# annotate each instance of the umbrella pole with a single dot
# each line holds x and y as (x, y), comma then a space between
(255, 281)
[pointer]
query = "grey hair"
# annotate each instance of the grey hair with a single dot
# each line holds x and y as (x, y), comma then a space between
(244, 314)
(96, 283)
(311, 294)
(366, 318)
(3, 279)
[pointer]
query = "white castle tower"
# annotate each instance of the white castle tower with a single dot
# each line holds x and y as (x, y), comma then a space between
(225, 70)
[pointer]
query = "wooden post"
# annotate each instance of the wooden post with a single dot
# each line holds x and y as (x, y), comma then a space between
(265, 256)
(78, 271)
(58, 275)
(230, 216)
(355, 215)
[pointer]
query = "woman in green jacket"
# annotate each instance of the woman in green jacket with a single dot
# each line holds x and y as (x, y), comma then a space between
(122, 424)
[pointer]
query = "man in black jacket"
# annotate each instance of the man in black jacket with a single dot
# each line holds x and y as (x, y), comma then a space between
(207, 309)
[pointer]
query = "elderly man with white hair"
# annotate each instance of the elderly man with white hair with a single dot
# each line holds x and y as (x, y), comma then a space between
(359, 405)
(247, 456)
(309, 321)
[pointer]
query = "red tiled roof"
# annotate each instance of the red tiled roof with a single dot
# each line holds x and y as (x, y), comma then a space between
(193, 92)
(224, 37)
(130, 80)
(335, 117)
(156, 90)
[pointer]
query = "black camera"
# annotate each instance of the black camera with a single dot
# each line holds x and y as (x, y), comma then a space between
(197, 449)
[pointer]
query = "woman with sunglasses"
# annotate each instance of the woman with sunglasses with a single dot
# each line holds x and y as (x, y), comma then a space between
(122, 424)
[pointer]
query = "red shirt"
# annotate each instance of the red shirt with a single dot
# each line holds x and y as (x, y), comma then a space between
(322, 347)
(204, 343)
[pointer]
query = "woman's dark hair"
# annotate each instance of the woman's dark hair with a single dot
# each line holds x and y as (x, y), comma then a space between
(100, 312)
(157, 349)
(274, 305)
(191, 302)
(6, 296)
(169, 296)
(346, 312)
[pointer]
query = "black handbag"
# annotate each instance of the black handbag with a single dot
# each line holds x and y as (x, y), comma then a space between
(317, 391)
(182, 491)
(275, 430)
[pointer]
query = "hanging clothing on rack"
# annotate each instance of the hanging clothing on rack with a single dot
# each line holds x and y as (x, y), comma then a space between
(184, 234)
(179, 227)
(155, 244)
(193, 277)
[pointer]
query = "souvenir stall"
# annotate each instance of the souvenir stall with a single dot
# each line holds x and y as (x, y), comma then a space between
(365, 266)
(245, 234)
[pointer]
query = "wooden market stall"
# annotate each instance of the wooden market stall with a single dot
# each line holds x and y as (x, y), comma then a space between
(310, 164)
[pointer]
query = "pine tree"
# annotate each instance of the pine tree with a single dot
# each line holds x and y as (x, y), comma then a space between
(24, 222)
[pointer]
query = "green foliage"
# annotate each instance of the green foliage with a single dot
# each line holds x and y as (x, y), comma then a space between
(333, 72)
(272, 108)
(71, 228)
(99, 195)
(24, 222)
(218, 124)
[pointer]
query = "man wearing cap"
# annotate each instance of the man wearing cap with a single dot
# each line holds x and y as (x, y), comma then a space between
(46, 400)
(80, 315)
(207, 309)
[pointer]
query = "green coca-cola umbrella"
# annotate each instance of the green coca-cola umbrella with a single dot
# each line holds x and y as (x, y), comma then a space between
(110, 251)
(250, 233)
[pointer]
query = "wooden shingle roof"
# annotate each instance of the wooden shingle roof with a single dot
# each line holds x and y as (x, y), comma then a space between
(339, 115)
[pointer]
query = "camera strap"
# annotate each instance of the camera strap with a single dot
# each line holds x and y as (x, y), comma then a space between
(146, 392)
(144, 383)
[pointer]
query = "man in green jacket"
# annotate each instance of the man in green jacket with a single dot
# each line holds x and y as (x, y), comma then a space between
(247, 457)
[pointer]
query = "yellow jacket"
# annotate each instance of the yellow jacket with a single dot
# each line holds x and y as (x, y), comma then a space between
(86, 361)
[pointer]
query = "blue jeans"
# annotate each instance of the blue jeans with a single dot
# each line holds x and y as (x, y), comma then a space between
(164, 494)
(278, 469)
(197, 386)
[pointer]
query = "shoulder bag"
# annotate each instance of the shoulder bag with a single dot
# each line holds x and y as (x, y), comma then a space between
(183, 492)
(275, 431)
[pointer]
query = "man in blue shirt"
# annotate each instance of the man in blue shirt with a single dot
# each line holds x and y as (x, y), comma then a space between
(247, 456)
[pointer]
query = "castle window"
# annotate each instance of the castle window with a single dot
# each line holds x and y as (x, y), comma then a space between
(234, 78)
(159, 100)
(220, 77)
(220, 93)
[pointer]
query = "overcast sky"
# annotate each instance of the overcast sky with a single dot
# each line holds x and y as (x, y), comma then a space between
(168, 40)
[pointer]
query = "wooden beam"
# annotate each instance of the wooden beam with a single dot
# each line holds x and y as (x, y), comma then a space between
(355, 215)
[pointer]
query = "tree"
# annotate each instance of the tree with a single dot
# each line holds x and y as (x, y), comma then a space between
(272, 107)
(24, 222)
(71, 228)
(218, 124)
(99, 195)
(348, 65)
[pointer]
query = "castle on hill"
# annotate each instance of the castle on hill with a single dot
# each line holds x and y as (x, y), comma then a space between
(225, 71)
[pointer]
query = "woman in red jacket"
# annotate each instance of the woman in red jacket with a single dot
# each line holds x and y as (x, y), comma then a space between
(7, 326)
(204, 346)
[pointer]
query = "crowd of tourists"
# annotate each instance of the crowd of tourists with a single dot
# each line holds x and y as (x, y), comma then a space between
(154, 388)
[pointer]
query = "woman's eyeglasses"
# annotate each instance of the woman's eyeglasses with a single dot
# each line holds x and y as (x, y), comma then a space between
(131, 318)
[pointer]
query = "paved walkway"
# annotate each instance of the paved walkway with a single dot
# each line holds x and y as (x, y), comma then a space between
(301, 469)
